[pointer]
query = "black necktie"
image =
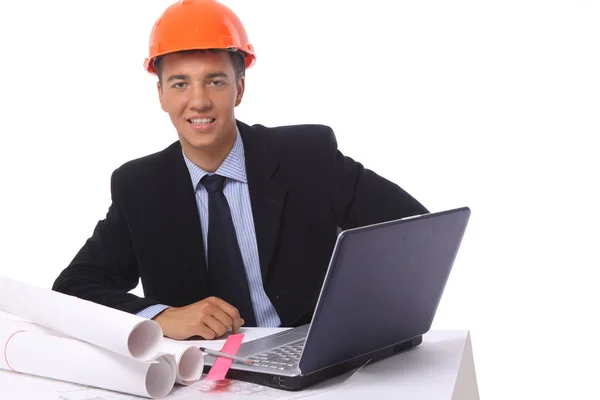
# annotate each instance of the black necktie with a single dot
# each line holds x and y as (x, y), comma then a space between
(226, 272)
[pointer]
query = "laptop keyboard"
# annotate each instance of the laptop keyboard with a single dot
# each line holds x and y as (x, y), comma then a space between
(282, 358)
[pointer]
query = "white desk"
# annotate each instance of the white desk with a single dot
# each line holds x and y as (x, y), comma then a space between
(440, 368)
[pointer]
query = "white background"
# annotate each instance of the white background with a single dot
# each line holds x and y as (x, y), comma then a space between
(493, 105)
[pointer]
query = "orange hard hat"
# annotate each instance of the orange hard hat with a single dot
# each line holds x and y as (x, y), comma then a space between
(196, 25)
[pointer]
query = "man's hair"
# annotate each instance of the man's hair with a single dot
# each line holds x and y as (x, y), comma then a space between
(237, 58)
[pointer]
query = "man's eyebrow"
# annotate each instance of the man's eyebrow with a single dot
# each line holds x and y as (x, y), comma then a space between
(184, 77)
(178, 78)
(217, 75)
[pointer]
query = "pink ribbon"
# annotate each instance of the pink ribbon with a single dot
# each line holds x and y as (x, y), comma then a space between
(222, 364)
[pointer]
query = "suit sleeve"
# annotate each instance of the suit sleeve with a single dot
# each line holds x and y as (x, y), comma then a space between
(362, 197)
(105, 270)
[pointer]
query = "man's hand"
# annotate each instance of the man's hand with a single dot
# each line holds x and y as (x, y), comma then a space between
(209, 318)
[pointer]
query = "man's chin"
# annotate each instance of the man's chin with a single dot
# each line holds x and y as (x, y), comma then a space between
(209, 141)
(198, 142)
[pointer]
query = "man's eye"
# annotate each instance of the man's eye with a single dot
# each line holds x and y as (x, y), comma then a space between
(217, 83)
(178, 85)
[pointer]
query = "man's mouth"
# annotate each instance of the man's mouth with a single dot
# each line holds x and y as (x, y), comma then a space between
(201, 121)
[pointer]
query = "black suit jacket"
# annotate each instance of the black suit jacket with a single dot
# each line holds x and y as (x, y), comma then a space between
(302, 189)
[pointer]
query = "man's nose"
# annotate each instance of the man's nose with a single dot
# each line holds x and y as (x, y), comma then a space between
(200, 99)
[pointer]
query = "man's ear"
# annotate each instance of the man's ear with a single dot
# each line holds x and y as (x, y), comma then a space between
(160, 96)
(241, 86)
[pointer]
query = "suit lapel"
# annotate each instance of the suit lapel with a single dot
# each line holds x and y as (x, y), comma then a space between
(184, 222)
(266, 196)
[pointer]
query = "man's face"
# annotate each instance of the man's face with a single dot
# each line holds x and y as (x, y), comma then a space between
(200, 92)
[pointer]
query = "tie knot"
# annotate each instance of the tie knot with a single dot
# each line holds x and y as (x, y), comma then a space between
(213, 183)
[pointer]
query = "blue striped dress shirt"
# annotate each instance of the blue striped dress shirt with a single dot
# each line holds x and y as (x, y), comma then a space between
(236, 191)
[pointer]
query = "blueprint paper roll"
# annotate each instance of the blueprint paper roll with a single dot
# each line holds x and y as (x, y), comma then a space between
(114, 330)
(35, 350)
(189, 360)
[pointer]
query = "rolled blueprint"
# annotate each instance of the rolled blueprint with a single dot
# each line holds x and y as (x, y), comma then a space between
(189, 359)
(111, 329)
(32, 349)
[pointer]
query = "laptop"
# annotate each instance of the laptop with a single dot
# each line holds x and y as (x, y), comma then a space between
(379, 297)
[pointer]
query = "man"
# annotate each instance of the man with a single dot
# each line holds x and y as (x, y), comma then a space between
(232, 224)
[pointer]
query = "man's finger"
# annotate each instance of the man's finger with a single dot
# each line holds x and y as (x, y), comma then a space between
(226, 307)
(230, 310)
(223, 318)
(237, 324)
(206, 332)
(214, 325)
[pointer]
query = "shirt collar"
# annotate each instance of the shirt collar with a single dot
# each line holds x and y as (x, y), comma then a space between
(232, 167)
